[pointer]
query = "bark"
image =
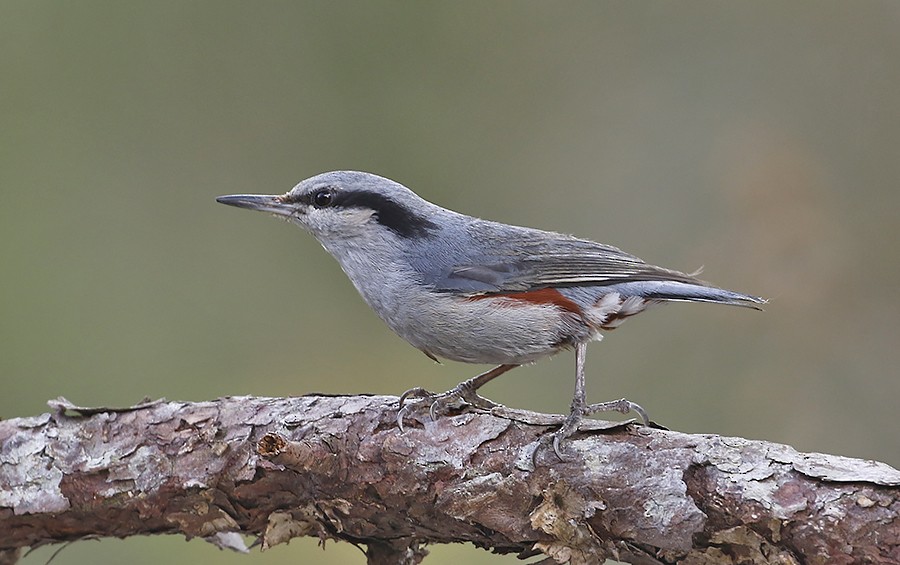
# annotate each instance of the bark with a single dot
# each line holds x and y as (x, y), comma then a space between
(339, 468)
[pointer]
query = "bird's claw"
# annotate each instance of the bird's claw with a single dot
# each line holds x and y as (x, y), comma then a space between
(456, 397)
(403, 409)
(622, 405)
(570, 425)
(417, 392)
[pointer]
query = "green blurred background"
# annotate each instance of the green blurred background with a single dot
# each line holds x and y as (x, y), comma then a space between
(760, 139)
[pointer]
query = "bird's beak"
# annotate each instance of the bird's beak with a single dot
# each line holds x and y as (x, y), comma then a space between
(262, 202)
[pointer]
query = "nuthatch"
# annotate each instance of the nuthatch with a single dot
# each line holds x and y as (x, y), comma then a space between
(477, 291)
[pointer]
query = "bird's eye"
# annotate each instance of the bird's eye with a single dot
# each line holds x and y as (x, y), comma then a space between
(323, 198)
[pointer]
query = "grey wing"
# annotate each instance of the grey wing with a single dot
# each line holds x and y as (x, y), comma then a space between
(535, 259)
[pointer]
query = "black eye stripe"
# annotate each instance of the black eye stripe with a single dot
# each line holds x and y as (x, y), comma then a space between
(389, 213)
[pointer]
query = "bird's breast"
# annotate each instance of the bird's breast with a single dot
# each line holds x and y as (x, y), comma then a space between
(513, 327)
(499, 328)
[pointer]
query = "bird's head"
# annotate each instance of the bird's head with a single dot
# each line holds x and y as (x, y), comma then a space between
(347, 205)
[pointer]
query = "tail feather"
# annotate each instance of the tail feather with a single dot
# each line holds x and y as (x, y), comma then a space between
(679, 291)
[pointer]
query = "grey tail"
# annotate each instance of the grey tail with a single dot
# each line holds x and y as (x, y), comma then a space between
(686, 292)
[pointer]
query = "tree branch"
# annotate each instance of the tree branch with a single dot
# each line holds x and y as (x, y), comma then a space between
(338, 468)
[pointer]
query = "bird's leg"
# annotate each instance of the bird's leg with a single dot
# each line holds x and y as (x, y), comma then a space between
(578, 401)
(465, 391)
(581, 408)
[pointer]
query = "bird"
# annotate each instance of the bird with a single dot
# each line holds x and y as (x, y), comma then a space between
(462, 288)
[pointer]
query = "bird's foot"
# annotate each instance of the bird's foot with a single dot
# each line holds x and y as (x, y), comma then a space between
(570, 426)
(621, 405)
(457, 397)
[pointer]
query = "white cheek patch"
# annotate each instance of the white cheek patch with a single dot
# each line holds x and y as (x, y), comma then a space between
(332, 221)
(357, 216)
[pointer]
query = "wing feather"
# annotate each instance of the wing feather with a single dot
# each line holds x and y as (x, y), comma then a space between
(486, 258)
(541, 259)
